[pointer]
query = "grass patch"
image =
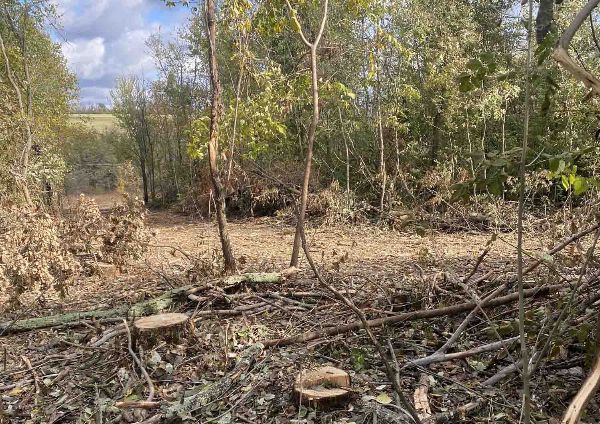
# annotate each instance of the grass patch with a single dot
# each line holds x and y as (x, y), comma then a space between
(99, 121)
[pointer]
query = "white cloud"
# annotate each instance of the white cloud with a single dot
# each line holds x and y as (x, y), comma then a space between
(86, 57)
(106, 39)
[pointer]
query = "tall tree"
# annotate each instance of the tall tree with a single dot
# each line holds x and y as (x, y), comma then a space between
(213, 141)
(23, 92)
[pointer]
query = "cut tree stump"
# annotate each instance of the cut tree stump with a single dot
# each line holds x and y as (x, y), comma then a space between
(322, 387)
(151, 329)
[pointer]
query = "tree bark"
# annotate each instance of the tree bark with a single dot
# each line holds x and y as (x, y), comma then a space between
(213, 142)
(311, 131)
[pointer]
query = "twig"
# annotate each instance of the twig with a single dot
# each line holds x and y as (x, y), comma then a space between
(490, 347)
(366, 326)
(139, 364)
(583, 396)
(137, 404)
(36, 379)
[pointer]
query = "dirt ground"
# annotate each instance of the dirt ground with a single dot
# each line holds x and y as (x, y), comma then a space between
(377, 264)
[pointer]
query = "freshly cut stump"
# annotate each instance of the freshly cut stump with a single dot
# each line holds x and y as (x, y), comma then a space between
(322, 387)
(169, 327)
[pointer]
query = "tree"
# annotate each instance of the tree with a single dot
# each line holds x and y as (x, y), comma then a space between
(312, 46)
(213, 141)
(130, 108)
(36, 88)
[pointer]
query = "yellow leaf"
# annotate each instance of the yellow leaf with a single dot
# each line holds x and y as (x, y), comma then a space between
(384, 399)
(16, 391)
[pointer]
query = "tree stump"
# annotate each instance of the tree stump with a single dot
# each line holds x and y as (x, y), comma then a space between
(151, 329)
(322, 387)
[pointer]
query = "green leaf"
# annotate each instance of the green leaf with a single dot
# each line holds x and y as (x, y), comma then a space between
(580, 186)
(565, 182)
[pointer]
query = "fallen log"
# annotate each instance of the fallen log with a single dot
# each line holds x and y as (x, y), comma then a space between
(141, 309)
(147, 307)
(409, 316)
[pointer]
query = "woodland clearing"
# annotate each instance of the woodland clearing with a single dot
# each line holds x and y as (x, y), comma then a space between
(384, 272)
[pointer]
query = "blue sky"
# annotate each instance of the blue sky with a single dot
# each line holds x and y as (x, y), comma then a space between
(104, 39)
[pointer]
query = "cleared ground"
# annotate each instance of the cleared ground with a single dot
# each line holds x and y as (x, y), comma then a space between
(386, 271)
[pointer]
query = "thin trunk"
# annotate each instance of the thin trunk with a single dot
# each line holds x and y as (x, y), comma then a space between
(311, 131)
(213, 141)
(309, 155)
(436, 140)
(524, 350)
(382, 169)
(238, 90)
(144, 179)
(347, 157)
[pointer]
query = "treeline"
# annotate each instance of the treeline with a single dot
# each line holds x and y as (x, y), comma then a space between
(421, 103)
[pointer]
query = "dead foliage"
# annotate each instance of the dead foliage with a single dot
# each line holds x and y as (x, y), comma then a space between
(40, 252)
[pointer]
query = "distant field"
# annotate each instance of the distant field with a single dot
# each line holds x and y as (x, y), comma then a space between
(99, 121)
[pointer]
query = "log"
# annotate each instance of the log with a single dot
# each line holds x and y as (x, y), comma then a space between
(140, 309)
(257, 278)
(409, 316)
(322, 387)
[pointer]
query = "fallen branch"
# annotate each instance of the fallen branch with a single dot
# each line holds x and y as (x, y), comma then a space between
(184, 407)
(583, 396)
(410, 316)
(439, 357)
(148, 307)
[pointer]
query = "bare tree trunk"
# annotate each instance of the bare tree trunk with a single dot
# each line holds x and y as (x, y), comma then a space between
(520, 265)
(382, 169)
(238, 93)
(213, 141)
(144, 178)
(311, 131)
